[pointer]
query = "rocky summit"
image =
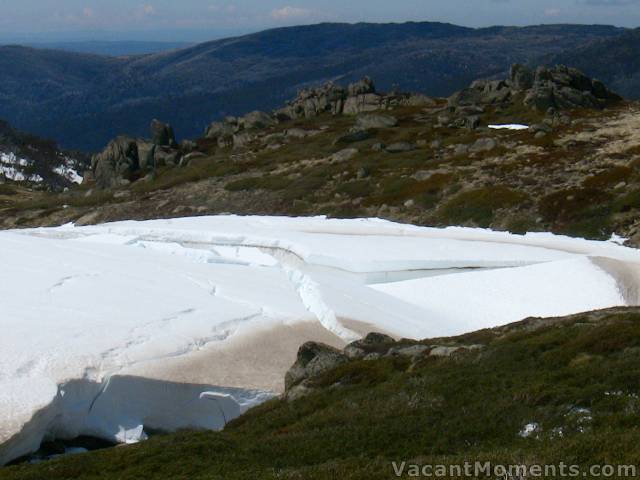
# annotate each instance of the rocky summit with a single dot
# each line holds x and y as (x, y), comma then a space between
(357, 98)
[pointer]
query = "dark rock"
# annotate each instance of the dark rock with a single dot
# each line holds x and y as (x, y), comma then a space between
(521, 77)
(472, 122)
(372, 343)
(363, 172)
(375, 338)
(162, 134)
(353, 137)
(116, 164)
(541, 98)
(165, 156)
(313, 359)
(559, 88)
(541, 127)
(412, 351)
(146, 155)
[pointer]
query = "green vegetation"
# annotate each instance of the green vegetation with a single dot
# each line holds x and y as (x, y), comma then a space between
(576, 378)
(479, 206)
(609, 177)
(579, 211)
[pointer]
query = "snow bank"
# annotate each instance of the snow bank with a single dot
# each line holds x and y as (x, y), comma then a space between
(167, 324)
(472, 301)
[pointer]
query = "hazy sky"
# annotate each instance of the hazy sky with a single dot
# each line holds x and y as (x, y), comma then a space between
(199, 19)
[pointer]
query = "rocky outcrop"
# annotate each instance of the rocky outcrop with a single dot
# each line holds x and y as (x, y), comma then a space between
(238, 132)
(315, 359)
(558, 88)
(375, 121)
(358, 97)
(312, 360)
(126, 158)
(162, 134)
(115, 165)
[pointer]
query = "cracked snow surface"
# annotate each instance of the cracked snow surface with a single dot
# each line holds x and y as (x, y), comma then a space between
(112, 329)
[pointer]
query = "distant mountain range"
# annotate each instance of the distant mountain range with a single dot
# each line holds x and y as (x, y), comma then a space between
(111, 48)
(83, 100)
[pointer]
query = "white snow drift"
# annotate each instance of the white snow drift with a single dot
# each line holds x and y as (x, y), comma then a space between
(111, 329)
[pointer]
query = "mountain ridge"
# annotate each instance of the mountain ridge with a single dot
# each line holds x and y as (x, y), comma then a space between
(84, 100)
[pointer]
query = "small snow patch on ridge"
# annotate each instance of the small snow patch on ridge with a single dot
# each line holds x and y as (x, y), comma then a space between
(510, 126)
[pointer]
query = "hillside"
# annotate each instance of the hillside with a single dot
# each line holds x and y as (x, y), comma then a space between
(111, 48)
(620, 51)
(27, 159)
(564, 391)
(84, 100)
(419, 160)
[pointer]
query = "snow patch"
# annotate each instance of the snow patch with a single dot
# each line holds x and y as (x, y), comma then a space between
(509, 126)
(67, 171)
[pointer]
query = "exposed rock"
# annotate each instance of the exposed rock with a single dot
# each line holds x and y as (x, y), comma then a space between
(115, 165)
(400, 147)
(359, 97)
(559, 88)
(541, 127)
(146, 154)
(256, 120)
(162, 134)
(378, 147)
(460, 149)
(221, 129)
(369, 102)
(483, 145)
(353, 137)
(313, 358)
(362, 87)
(374, 121)
(521, 77)
(300, 133)
(419, 100)
(165, 156)
(472, 122)
(449, 351)
(362, 173)
(188, 146)
(372, 342)
(312, 102)
(242, 139)
(126, 159)
(343, 155)
(412, 351)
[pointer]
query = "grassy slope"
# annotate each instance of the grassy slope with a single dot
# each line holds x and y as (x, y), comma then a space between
(562, 183)
(447, 410)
